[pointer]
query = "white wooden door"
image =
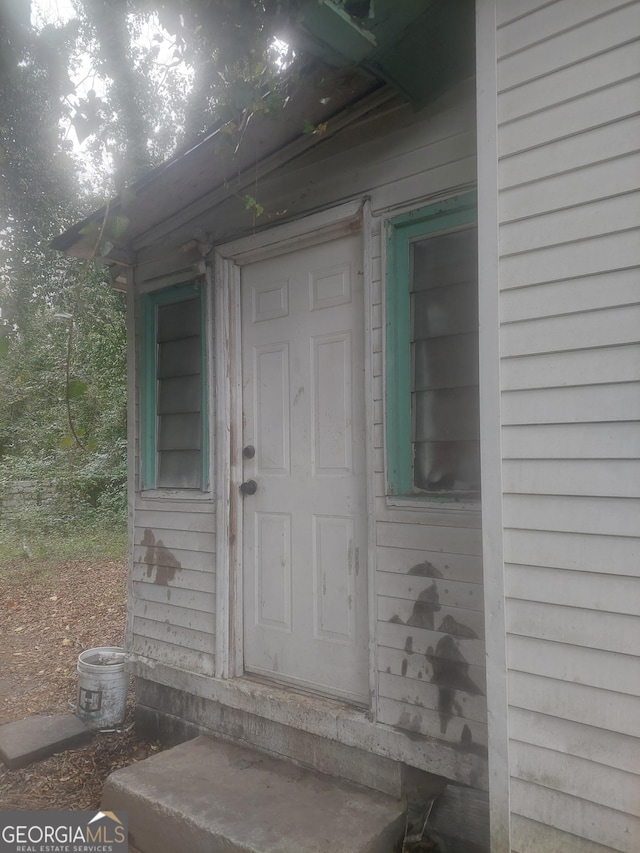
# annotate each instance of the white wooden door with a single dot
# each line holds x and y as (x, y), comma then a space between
(304, 528)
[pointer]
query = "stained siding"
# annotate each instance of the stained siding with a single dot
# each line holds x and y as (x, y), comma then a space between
(172, 612)
(569, 174)
(428, 580)
(430, 654)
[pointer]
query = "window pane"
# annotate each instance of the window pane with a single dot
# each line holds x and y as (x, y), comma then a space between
(179, 358)
(446, 414)
(179, 432)
(448, 362)
(179, 395)
(179, 320)
(447, 466)
(445, 311)
(179, 469)
(444, 362)
(445, 259)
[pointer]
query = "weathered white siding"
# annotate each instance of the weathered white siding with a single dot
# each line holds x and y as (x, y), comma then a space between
(427, 595)
(172, 580)
(174, 583)
(569, 207)
(428, 565)
(428, 569)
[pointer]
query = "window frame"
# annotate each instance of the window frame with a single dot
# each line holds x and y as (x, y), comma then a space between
(149, 384)
(400, 232)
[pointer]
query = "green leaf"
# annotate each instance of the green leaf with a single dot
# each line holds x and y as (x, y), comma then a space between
(90, 229)
(76, 389)
(66, 442)
(119, 225)
(4, 346)
(308, 126)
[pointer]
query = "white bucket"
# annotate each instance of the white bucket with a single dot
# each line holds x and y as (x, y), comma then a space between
(102, 687)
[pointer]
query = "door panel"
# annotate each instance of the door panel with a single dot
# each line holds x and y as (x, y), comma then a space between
(273, 570)
(305, 596)
(271, 408)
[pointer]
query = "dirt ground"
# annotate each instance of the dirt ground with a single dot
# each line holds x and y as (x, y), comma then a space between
(49, 613)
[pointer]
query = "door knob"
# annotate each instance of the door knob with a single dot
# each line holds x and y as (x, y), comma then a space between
(250, 487)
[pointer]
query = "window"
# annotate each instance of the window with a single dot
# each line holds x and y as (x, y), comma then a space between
(173, 398)
(432, 409)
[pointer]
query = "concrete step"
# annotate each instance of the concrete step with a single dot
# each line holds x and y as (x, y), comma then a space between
(209, 795)
(34, 738)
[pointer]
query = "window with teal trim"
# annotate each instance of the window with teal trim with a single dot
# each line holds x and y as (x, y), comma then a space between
(432, 406)
(173, 399)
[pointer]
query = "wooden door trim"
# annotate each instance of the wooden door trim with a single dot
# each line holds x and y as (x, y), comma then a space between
(318, 228)
(228, 468)
(300, 234)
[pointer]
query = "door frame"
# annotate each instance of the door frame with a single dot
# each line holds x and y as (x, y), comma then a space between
(228, 259)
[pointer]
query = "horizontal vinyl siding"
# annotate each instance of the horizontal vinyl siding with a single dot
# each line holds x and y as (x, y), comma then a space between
(603, 593)
(577, 39)
(532, 837)
(609, 440)
(569, 658)
(603, 366)
(569, 206)
(564, 736)
(588, 404)
(591, 293)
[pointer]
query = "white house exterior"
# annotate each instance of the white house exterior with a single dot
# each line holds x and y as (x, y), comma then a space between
(559, 173)
(186, 627)
(486, 636)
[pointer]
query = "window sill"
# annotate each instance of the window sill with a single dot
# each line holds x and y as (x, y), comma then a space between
(423, 503)
(173, 494)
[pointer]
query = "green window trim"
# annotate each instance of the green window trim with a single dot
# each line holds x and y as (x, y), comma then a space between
(400, 232)
(149, 381)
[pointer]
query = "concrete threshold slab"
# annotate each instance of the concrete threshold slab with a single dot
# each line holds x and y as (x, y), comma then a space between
(34, 738)
(208, 795)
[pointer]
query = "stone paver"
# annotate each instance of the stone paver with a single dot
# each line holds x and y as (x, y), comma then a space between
(37, 737)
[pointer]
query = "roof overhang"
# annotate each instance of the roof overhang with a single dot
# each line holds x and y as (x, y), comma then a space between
(215, 167)
(419, 47)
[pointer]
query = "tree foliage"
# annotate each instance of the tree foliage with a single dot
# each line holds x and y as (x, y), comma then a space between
(86, 107)
(41, 193)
